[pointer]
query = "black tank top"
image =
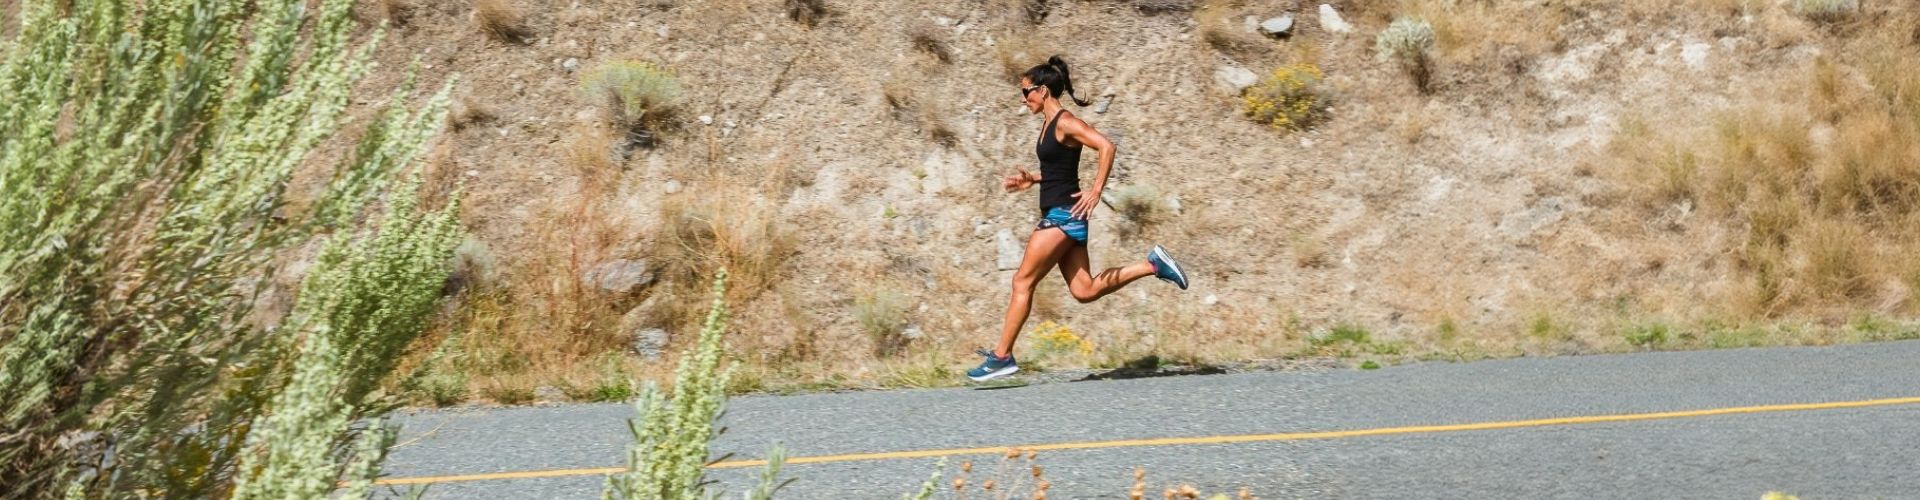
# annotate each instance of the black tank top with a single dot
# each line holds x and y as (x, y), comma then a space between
(1059, 169)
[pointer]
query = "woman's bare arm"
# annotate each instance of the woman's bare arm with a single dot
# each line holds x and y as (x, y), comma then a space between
(1084, 133)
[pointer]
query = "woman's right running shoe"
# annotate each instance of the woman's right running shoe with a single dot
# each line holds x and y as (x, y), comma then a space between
(1165, 268)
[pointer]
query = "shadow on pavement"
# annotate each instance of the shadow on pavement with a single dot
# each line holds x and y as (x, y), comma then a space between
(1150, 367)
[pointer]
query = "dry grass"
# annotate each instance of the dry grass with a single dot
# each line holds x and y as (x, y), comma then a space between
(395, 13)
(806, 12)
(468, 111)
(882, 314)
(1221, 28)
(1824, 179)
(931, 40)
(1016, 51)
(903, 98)
(501, 21)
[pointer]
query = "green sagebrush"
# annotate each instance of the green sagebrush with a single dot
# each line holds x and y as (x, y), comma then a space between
(668, 457)
(145, 151)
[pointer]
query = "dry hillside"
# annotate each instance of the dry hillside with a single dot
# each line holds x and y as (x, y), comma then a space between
(1571, 179)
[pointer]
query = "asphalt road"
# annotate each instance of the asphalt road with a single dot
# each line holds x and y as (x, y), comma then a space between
(1858, 439)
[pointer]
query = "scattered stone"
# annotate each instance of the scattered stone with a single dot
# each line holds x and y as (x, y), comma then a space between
(1173, 203)
(662, 31)
(1526, 223)
(1102, 107)
(1010, 251)
(548, 393)
(673, 187)
(944, 21)
(1330, 20)
(619, 276)
(706, 119)
(1695, 54)
(1279, 27)
(1210, 300)
(1235, 78)
(913, 332)
(650, 343)
(571, 64)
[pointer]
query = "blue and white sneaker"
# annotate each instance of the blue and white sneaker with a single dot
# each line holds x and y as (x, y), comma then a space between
(994, 367)
(1165, 268)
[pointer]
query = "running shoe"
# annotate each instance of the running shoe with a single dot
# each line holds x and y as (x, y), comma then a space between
(994, 367)
(1165, 268)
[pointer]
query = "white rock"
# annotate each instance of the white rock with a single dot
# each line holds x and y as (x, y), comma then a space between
(1278, 26)
(473, 173)
(706, 119)
(1235, 77)
(619, 275)
(1211, 299)
(650, 343)
(1695, 54)
(1330, 20)
(673, 187)
(1010, 251)
(571, 64)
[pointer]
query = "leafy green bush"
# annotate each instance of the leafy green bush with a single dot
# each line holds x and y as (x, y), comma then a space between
(145, 150)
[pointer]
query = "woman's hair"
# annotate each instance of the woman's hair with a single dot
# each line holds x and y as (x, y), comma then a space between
(1054, 76)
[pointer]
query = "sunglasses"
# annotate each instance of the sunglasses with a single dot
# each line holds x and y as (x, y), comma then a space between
(1028, 90)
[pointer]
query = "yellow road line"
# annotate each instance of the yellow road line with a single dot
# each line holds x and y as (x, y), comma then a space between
(1244, 438)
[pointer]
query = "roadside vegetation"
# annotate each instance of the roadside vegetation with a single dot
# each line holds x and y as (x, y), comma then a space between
(146, 154)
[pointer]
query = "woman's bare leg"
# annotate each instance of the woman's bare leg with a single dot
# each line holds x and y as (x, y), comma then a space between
(1044, 249)
(1089, 287)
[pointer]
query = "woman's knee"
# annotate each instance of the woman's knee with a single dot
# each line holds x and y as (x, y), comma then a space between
(1084, 294)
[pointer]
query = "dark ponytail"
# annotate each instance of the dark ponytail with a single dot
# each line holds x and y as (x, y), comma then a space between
(1055, 77)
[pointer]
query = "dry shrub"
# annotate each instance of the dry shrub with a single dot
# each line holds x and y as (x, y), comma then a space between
(882, 315)
(1151, 7)
(1827, 221)
(501, 21)
(704, 229)
(1466, 32)
(929, 39)
(928, 113)
(1140, 206)
(1221, 29)
(639, 97)
(806, 12)
(1022, 13)
(393, 12)
(1017, 52)
(1837, 258)
(1826, 11)
(467, 111)
(1408, 43)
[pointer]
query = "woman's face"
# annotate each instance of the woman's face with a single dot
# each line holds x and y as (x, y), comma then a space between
(1032, 95)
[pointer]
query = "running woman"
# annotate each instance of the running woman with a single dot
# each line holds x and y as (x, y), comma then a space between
(1061, 236)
